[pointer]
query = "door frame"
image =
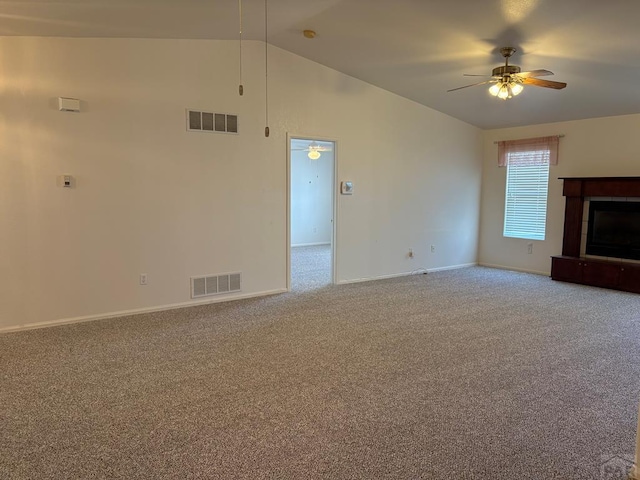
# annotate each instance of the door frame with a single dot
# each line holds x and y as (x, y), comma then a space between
(334, 203)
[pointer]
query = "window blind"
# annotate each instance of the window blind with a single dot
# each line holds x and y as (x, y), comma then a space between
(526, 193)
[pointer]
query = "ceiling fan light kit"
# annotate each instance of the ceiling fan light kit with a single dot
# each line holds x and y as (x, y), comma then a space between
(508, 85)
(506, 89)
(508, 80)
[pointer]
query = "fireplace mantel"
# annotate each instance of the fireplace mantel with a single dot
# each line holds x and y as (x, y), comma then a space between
(576, 189)
(570, 267)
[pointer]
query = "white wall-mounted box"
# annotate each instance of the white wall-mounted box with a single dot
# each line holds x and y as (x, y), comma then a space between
(68, 104)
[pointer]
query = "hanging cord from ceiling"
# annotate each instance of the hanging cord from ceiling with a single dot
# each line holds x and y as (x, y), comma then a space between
(240, 87)
(266, 70)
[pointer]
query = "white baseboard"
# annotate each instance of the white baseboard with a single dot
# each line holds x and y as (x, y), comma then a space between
(406, 274)
(371, 279)
(136, 311)
(451, 267)
(515, 269)
(310, 244)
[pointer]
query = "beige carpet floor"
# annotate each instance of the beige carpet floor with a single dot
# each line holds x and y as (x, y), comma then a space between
(310, 267)
(468, 374)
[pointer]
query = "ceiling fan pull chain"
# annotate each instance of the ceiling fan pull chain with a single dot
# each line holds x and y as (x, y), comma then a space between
(266, 71)
(241, 86)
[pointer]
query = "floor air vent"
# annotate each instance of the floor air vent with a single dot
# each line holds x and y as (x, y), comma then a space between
(215, 285)
(198, 121)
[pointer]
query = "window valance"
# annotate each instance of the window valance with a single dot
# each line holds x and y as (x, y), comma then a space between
(532, 151)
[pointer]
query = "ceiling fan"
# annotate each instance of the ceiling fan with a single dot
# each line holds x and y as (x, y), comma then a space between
(314, 150)
(508, 80)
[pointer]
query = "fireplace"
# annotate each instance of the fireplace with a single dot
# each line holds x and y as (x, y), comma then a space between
(612, 233)
(614, 229)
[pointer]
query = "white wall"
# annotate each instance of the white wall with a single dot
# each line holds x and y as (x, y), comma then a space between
(598, 147)
(311, 198)
(153, 198)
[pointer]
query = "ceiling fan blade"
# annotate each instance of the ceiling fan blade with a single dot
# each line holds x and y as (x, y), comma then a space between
(474, 75)
(534, 73)
(544, 83)
(472, 85)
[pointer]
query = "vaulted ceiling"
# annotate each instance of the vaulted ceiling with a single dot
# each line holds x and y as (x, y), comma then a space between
(416, 48)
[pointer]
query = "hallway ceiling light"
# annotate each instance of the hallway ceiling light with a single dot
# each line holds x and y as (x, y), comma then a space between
(314, 149)
(313, 154)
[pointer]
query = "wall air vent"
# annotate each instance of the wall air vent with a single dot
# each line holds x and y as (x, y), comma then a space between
(215, 285)
(198, 121)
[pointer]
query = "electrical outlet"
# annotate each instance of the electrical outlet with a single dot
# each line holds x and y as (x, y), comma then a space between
(529, 248)
(143, 279)
(433, 249)
(411, 253)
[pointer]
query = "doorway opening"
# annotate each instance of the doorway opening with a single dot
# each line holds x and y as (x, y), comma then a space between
(311, 226)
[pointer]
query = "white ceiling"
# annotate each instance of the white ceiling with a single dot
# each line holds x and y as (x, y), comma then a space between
(415, 48)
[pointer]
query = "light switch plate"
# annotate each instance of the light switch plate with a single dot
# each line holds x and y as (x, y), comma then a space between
(66, 181)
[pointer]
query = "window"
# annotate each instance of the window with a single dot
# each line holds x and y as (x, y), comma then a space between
(527, 162)
(525, 208)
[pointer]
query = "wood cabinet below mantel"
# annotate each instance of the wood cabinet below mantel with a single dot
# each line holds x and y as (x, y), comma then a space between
(598, 273)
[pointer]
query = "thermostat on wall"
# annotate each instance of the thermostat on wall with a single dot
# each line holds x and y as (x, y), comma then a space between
(68, 104)
(346, 188)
